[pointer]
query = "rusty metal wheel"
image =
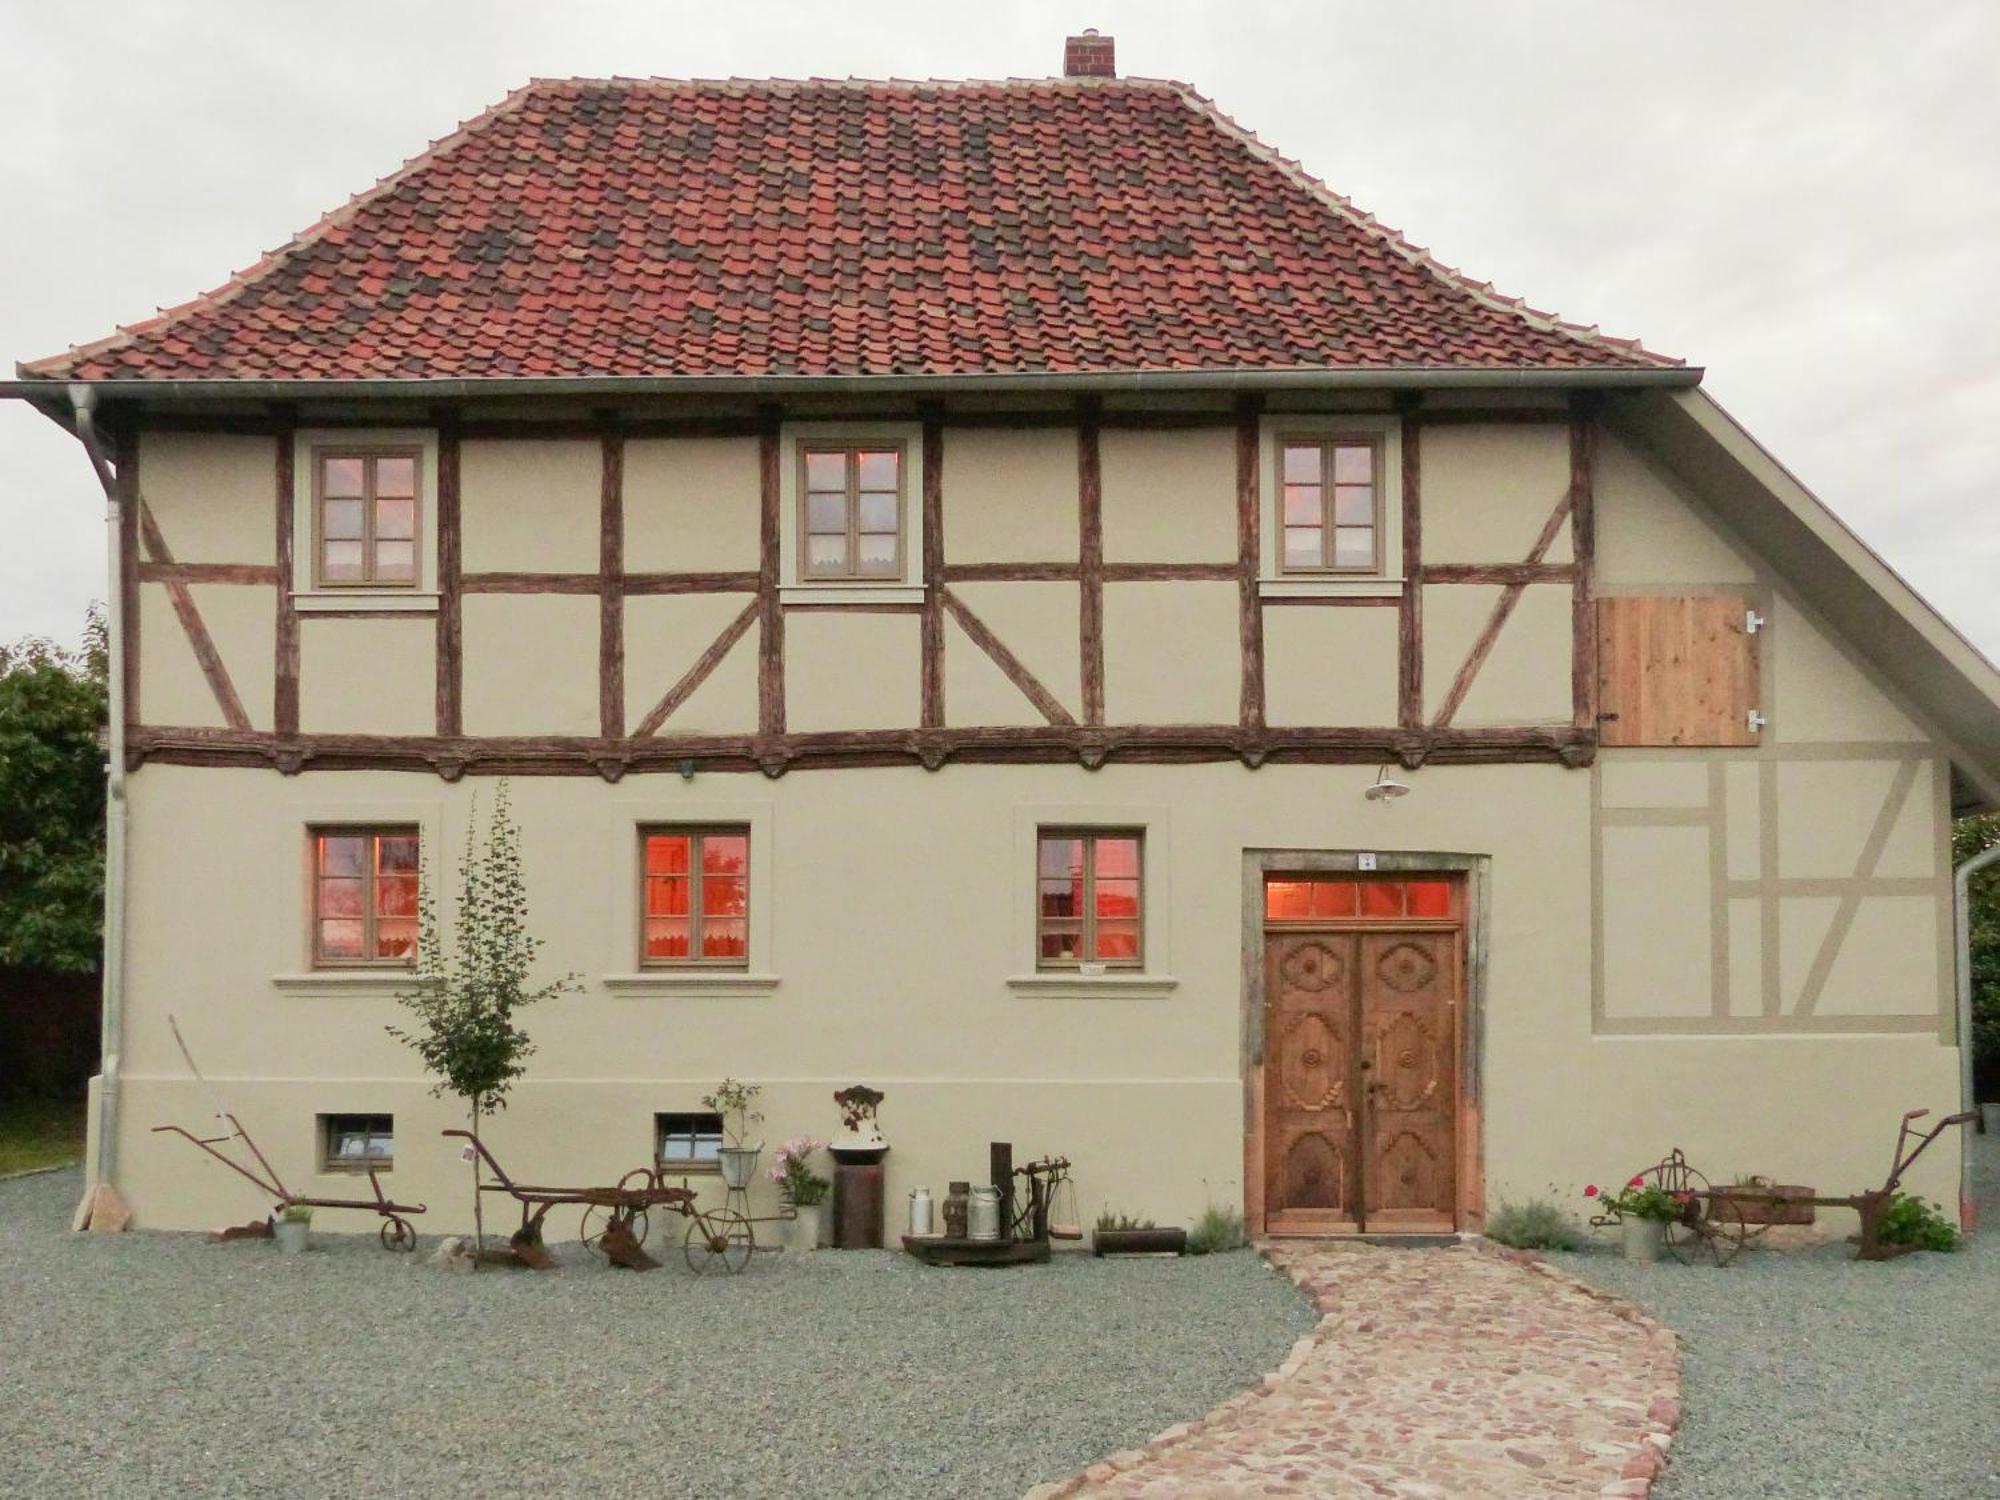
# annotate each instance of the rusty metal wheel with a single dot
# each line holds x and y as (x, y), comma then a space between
(1712, 1227)
(719, 1238)
(397, 1234)
(597, 1217)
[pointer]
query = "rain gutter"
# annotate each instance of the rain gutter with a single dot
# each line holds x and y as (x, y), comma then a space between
(1114, 382)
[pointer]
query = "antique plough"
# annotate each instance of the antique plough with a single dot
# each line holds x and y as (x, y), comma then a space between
(1710, 1222)
(396, 1231)
(615, 1220)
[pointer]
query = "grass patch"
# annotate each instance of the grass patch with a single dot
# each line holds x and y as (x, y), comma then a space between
(39, 1133)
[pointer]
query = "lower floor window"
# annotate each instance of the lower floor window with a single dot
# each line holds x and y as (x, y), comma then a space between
(1087, 899)
(696, 907)
(688, 1142)
(354, 1143)
(364, 897)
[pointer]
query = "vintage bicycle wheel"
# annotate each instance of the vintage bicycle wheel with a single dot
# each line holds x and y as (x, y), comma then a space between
(721, 1239)
(397, 1234)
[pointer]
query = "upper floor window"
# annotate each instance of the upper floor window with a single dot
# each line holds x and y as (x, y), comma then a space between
(851, 527)
(1087, 899)
(364, 897)
(1332, 505)
(696, 906)
(354, 1143)
(365, 511)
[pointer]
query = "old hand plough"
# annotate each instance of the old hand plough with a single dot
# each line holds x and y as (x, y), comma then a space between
(1711, 1223)
(396, 1232)
(615, 1219)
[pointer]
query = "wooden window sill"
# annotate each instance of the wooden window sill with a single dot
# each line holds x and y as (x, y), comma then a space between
(332, 981)
(1332, 586)
(852, 591)
(359, 600)
(690, 984)
(1109, 986)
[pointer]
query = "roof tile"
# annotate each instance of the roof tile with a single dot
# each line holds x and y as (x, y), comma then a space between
(658, 228)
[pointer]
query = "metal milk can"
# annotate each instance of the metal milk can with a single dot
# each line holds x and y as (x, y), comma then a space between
(983, 1213)
(920, 1210)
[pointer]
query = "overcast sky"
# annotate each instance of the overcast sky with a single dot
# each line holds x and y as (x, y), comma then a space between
(1801, 195)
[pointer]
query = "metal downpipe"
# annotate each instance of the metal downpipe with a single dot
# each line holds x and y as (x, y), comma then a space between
(101, 1168)
(1961, 894)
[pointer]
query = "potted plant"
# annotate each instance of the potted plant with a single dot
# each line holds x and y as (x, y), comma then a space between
(1644, 1210)
(802, 1187)
(1121, 1234)
(292, 1229)
(737, 1104)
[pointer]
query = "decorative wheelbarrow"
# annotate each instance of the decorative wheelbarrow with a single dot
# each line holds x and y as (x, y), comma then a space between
(1710, 1222)
(396, 1232)
(615, 1220)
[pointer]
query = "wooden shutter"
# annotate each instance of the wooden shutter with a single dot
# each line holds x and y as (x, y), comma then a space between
(1675, 671)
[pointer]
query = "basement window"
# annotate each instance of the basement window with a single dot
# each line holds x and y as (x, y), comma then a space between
(354, 1143)
(688, 1142)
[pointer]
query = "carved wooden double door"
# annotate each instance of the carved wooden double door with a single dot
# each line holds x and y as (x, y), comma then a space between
(1360, 1080)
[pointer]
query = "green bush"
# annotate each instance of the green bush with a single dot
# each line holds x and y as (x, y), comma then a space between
(296, 1213)
(1537, 1224)
(1911, 1221)
(1217, 1229)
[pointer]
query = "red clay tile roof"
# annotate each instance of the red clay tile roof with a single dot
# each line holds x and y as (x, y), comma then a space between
(656, 228)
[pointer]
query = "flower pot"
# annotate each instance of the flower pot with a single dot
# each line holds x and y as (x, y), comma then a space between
(1644, 1239)
(803, 1231)
(294, 1236)
(739, 1165)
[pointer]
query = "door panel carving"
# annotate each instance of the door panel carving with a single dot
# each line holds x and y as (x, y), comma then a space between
(1310, 1127)
(1408, 1038)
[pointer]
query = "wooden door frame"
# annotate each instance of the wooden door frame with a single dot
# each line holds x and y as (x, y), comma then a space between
(1259, 865)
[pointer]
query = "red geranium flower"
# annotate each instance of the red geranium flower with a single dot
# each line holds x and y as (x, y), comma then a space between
(1591, 1191)
(1636, 1182)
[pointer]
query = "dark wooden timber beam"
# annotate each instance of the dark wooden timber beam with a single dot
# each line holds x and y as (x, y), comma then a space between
(285, 679)
(1249, 531)
(770, 612)
(1090, 557)
(1583, 431)
(700, 672)
(1016, 671)
(450, 614)
(1410, 618)
(932, 711)
(611, 590)
(199, 640)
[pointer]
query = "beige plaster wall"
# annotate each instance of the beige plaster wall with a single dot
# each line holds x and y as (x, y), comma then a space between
(691, 505)
(847, 670)
(213, 496)
(1039, 623)
(241, 620)
(1172, 653)
(373, 676)
(1649, 531)
(530, 506)
(1525, 678)
(1330, 666)
(1010, 496)
(1488, 491)
(530, 664)
(665, 634)
(1169, 496)
(895, 969)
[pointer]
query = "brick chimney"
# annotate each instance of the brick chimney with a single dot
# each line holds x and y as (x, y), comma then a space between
(1090, 56)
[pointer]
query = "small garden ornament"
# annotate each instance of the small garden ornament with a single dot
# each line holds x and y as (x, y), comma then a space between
(803, 1188)
(737, 1104)
(292, 1229)
(1644, 1210)
(860, 1140)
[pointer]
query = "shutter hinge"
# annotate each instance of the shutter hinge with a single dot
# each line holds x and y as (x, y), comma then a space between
(1755, 720)
(1752, 622)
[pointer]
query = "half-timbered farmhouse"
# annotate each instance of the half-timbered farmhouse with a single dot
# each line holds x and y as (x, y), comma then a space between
(1018, 595)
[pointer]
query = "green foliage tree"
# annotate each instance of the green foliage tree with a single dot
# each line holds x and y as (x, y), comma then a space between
(472, 977)
(1972, 836)
(52, 711)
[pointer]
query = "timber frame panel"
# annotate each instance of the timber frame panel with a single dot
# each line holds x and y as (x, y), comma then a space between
(629, 742)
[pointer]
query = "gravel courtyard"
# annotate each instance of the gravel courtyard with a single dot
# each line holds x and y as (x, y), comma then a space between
(1815, 1377)
(146, 1364)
